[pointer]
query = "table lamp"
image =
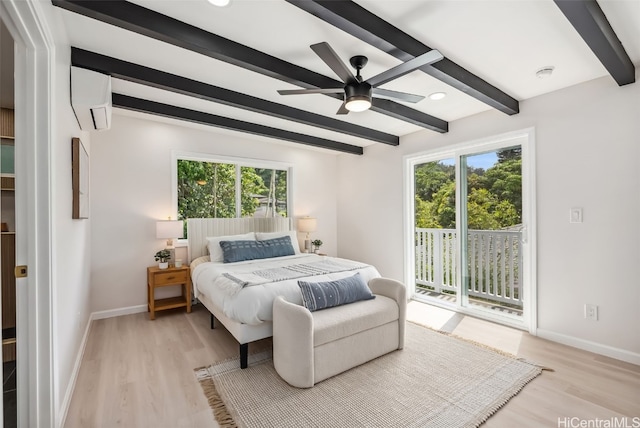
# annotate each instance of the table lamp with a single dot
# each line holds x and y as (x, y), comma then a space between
(307, 225)
(170, 230)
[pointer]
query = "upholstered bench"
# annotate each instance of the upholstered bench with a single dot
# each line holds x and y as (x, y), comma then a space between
(309, 347)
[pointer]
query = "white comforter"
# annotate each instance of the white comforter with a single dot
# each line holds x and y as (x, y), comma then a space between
(253, 304)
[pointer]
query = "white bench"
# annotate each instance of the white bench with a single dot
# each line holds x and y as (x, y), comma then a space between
(309, 347)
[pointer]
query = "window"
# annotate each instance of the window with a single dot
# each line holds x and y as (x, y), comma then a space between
(227, 188)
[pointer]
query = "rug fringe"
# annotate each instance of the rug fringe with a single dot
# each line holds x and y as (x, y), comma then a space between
(515, 391)
(220, 412)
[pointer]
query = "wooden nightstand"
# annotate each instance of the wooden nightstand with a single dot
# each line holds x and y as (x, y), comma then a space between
(157, 277)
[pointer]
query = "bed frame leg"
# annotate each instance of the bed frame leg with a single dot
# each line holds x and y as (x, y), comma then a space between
(244, 355)
(212, 322)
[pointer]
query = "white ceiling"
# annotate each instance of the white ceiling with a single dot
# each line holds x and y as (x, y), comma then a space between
(503, 42)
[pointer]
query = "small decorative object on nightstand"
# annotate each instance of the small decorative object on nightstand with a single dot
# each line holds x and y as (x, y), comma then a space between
(317, 243)
(174, 276)
(162, 257)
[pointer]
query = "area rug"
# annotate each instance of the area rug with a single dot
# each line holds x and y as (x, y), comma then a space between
(435, 381)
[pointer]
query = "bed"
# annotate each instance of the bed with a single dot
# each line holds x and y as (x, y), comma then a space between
(240, 294)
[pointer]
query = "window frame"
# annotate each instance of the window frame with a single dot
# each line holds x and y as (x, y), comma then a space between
(238, 162)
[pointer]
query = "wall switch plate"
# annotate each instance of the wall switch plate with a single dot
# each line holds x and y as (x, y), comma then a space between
(575, 215)
(591, 312)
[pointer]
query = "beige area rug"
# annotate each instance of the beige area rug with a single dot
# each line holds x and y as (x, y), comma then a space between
(435, 381)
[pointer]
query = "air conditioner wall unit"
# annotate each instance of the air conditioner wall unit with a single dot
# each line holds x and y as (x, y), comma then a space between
(91, 99)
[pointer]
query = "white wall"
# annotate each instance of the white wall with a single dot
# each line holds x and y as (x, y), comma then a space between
(588, 152)
(131, 189)
(70, 253)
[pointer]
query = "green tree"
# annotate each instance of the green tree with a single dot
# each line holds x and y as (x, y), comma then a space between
(208, 189)
(480, 204)
(430, 176)
(423, 215)
(443, 209)
(494, 197)
(274, 194)
(508, 154)
(504, 180)
(252, 187)
(205, 189)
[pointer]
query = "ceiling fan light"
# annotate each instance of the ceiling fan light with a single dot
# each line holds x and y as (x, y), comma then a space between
(357, 103)
(357, 96)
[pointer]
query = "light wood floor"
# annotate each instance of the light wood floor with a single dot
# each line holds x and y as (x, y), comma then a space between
(139, 373)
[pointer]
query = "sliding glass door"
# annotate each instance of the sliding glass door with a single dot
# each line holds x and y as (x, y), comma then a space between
(469, 249)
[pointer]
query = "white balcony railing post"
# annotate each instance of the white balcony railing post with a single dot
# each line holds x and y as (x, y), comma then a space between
(437, 260)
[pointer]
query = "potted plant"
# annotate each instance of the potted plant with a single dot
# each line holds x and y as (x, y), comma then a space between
(163, 256)
(317, 243)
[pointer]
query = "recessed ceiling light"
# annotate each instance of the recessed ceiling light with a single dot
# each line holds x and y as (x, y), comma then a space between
(437, 96)
(219, 3)
(545, 72)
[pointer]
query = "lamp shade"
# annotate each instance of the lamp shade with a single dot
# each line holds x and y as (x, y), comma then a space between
(169, 229)
(307, 224)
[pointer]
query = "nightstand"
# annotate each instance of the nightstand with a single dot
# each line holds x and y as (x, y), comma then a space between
(173, 276)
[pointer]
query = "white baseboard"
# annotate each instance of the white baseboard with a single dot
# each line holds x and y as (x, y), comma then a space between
(64, 408)
(586, 345)
(74, 376)
(118, 312)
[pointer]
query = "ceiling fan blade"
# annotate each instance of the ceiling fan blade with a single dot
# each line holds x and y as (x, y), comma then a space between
(342, 109)
(331, 58)
(405, 68)
(395, 95)
(311, 91)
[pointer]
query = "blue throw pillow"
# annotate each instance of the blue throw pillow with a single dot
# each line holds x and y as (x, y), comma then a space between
(237, 251)
(321, 295)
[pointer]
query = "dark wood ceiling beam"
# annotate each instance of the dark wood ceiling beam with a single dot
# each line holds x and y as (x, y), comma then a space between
(161, 27)
(359, 22)
(587, 18)
(170, 82)
(159, 109)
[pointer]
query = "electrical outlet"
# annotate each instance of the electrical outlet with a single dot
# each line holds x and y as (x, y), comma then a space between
(575, 215)
(591, 312)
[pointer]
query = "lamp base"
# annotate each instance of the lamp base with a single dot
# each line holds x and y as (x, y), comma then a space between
(307, 245)
(172, 256)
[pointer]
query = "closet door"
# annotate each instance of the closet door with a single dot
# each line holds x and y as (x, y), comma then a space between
(7, 265)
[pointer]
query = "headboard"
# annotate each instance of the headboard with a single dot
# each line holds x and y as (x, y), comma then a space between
(198, 229)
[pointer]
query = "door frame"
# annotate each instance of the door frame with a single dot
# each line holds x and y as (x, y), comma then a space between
(526, 138)
(34, 54)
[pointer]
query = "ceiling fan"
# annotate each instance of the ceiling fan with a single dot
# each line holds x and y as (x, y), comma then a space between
(358, 92)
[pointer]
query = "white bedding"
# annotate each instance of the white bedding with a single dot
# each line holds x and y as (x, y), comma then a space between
(253, 304)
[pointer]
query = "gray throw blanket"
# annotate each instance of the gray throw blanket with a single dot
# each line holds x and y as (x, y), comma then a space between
(263, 276)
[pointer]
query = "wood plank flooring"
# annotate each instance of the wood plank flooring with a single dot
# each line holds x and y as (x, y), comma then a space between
(139, 373)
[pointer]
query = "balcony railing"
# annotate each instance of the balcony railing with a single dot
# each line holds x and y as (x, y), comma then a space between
(493, 265)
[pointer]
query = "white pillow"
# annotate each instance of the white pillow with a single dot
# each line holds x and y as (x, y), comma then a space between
(213, 244)
(261, 236)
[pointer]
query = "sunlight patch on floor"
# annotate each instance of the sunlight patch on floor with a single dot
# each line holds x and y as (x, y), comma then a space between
(430, 316)
(494, 335)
